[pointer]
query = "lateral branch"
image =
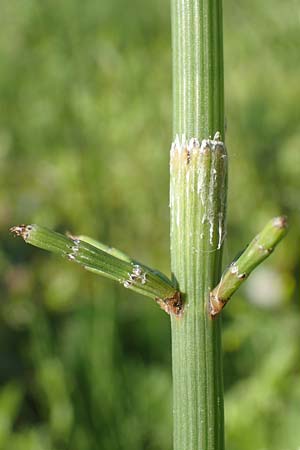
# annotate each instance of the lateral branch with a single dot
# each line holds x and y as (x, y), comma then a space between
(256, 252)
(109, 262)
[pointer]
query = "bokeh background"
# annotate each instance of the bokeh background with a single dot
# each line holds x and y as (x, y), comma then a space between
(85, 130)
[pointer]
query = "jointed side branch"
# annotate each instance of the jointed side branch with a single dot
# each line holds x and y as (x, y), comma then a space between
(256, 252)
(103, 260)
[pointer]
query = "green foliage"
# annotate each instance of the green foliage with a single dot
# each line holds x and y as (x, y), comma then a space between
(84, 138)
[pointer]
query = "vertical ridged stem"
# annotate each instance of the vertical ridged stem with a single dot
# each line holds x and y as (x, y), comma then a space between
(197, 44)
(198, 206)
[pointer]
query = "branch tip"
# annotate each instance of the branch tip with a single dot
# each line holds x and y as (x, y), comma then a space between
(280, 222)
(21, 230)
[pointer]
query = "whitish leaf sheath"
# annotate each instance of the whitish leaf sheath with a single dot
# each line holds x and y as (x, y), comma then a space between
(256, 252)
(102, 260)
(197, 195)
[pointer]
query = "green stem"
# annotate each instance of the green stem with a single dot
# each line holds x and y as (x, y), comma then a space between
(198, 206)
(197, 44)
(256, 252)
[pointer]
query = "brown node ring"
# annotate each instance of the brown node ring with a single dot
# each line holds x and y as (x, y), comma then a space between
(216, 305)
(171, 305)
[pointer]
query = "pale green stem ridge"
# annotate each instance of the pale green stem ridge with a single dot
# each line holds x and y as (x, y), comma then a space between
(118, 254)
(126, 271)
(106, 248)
(256, 252)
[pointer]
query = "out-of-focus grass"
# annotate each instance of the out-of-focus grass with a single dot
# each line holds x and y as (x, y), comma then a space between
(85, 126)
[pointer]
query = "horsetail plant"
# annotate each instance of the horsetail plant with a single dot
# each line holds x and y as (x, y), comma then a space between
(197, 292)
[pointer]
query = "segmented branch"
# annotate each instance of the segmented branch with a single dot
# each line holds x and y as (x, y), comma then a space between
(256, 252)
(103, 260)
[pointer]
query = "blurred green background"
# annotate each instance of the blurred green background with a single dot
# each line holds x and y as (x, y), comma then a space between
(85, 130)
